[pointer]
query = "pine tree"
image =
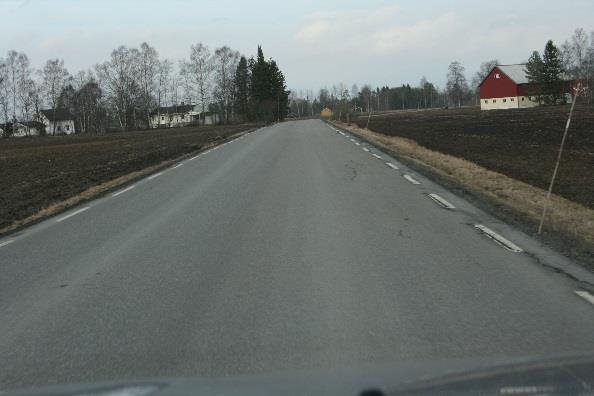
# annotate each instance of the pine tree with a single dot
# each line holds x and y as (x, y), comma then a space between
(551, 73)
(534, 74)
(269, 97)
(279, 92)
(242, 93)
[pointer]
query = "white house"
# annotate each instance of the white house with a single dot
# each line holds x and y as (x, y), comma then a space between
(181, 115)
(57, 122)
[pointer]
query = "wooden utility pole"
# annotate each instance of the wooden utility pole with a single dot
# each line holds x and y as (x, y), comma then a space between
(548, 198)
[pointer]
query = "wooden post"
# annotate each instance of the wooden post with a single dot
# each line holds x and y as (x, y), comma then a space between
(546, 203)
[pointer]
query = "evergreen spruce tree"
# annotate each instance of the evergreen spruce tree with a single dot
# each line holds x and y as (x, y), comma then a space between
(551, 73)
(534, 73)
(242, 93)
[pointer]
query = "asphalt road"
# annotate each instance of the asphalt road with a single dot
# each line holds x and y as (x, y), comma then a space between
(289, 248)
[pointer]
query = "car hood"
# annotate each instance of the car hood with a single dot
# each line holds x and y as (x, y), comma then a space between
(519, 376)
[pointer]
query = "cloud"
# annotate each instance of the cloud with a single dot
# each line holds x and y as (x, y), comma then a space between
(344, 28)
(423, 34)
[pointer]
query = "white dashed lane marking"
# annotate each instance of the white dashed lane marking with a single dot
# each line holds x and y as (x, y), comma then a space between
(391, 165)
(122, 191)
(154, 176)
(357, 144)
(72, 214)
(377, 156)
(441, 202)
(365, 149)
(411, 179)
(6, 242)
(506, 243)
(583, 294)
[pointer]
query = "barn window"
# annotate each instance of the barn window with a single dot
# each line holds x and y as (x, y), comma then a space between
(67, 127)
(182, 116)
(162, 118)
(504, 100)
(497, 75)
(486, 101)
(512, 99)
(494, 100)
(523, 98)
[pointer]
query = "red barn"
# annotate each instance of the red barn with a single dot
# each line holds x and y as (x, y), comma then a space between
(505, 87)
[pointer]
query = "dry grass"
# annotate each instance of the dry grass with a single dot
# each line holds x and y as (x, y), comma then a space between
(565, 217)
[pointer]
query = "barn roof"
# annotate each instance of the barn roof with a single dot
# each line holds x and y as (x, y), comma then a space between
(517, 73)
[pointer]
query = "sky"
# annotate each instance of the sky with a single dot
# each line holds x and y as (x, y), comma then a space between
(316, 43)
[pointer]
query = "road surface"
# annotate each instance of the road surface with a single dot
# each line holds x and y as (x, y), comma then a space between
(293, 247)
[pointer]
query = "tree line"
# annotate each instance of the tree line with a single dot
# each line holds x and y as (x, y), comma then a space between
(573, 60)
(122, 92)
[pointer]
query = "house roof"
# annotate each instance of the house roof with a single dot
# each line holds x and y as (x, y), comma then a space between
(179, 109)
(33, 124)
(57, 115)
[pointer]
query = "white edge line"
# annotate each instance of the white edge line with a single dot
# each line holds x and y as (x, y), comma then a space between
(177, 166)
(441, 202)
(506, 243)
(194, 157)
(411, 179)
(391, 165)
(583, 294)
(123, 191)
(151, 177)
(377, 156)
(72, 214)
(6, 242)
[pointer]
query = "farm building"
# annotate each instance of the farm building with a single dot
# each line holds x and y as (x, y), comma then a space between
(507, 87)
(57, 122)
(181, 115)
(28, 128)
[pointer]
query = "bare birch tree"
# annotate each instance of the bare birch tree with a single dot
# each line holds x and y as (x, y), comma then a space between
(164, 69)
(118, 80)
(457, 85)
(148, 69)
(225, 62)
(197, 72)
(55, 77)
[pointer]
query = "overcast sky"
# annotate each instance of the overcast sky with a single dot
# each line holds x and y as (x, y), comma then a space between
(316, 43)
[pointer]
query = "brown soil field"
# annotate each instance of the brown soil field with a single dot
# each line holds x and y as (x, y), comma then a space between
(36, 173)
(522, 144)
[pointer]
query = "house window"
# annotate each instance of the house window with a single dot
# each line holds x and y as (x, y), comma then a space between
(182, 116)
(67, 127)
(523, 99)
(163, 118)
